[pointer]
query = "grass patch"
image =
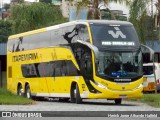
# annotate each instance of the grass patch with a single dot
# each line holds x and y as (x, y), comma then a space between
(7, 98)
(150, 99)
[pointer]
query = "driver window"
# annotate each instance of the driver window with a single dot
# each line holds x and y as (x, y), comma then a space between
(83, 33)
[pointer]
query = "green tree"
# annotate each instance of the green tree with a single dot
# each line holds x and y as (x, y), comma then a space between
(94, 12)
(5, 30)
(137, 17)
(157, 4)
(18, 1)
(142, 19)
(34, 16)
(6, 6)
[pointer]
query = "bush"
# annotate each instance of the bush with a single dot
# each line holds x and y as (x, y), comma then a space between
(5, 30)
(8, 98)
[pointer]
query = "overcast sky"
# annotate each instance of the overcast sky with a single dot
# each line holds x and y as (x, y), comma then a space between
(115, 6)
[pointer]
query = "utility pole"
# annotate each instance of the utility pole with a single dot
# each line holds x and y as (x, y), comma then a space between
(152, 24)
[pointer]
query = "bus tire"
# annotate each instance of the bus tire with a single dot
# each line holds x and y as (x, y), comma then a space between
(28, 92)
(19, 90)
(78, 97)
(73, 89)
(118, 101)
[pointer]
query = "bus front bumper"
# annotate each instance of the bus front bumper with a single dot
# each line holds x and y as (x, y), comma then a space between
(105, 93)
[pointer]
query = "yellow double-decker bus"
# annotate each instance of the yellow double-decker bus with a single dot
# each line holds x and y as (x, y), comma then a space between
(76, 60)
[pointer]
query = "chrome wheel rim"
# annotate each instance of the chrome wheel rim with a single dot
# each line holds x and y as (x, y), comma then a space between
(28, 94)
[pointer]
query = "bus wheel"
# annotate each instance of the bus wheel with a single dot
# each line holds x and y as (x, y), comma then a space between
(19, 90)
(73, 97)
(28, 92)
(77, 94)
(118, 101)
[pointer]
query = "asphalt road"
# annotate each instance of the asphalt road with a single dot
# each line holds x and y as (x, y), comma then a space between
(87, 105)
(93, 109)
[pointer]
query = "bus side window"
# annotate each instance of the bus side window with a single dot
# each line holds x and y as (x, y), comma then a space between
(83, 33)
(29, 70)
(32, 70)
(47, 69)
(71, 69)
(58, 68)
(64, 69)
(44, 69)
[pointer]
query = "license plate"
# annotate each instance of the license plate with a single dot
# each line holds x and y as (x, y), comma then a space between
(123, 96)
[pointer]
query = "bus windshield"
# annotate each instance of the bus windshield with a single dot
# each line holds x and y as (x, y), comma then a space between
(119, 64)
(114, 37)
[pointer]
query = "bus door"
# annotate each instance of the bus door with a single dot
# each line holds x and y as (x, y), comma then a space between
(86, 66)
(83, 57)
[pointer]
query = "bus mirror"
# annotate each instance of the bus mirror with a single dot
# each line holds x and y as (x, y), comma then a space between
(146, 49)
(92, 47)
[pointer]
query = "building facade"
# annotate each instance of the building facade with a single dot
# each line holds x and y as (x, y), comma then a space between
(3, 64)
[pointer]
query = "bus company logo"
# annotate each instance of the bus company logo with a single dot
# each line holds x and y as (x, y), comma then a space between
(21, 114)
(25, 57)
(117, 34)
(6, 114)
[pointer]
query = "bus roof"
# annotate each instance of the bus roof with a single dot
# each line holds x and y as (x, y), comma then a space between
(117, 22)
(111, 22)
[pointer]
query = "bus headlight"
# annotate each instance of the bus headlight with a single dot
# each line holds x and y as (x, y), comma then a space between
(100, 85)
(140, 86)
